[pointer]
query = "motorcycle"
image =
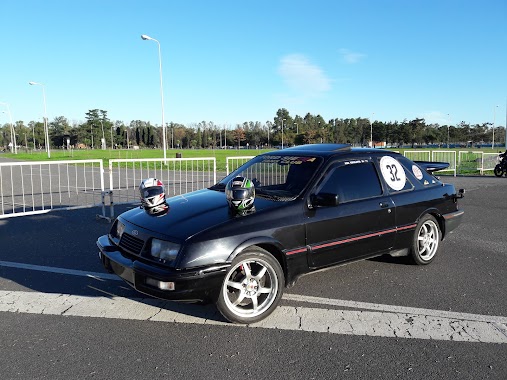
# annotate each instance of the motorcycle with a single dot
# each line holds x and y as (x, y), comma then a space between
(501, 167)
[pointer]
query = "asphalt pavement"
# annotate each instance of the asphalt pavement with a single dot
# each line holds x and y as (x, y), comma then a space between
(50, 262)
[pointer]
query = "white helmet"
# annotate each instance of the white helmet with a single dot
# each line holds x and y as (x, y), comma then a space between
(152, 192)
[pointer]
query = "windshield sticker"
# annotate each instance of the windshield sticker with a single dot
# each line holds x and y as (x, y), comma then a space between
(355, 162)
(417, 172)
(393, 173)
(287, 160)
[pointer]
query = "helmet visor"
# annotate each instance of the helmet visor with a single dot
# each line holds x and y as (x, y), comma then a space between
(152, 191)
(241, 193)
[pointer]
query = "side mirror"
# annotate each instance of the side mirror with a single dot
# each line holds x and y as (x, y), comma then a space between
(324, 200)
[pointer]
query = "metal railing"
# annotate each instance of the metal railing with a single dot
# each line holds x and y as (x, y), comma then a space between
(418, 155)
(28, 188)
(179, 175)
(232, 163)
(445, 156)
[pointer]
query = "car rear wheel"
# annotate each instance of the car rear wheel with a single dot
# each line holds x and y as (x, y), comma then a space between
(426, 240)
(252, 287)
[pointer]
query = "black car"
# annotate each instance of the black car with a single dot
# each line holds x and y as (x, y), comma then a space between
(314, 206)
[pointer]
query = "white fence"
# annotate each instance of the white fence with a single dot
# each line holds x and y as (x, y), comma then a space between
(445, 156)
(179, 175)
(418, 155)
(477, 161)
(38, 187)
(232, 163)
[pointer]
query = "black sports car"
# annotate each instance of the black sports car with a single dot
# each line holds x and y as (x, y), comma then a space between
(313, 206)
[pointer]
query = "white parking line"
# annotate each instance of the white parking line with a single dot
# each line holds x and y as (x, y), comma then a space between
(384, 320)
(367, 323)
(72, 272)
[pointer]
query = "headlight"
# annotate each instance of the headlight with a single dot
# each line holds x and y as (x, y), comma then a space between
(164, 250)
(120, 227)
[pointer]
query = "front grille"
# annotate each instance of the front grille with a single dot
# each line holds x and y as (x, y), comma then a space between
(131, 244)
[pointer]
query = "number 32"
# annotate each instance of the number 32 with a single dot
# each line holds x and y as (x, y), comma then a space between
(394, 173)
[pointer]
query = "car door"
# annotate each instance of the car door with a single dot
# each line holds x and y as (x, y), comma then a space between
(360, 225)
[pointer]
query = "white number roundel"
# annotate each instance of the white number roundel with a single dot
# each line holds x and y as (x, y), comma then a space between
(393, 172)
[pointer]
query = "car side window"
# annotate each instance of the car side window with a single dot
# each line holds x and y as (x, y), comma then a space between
(352, 182)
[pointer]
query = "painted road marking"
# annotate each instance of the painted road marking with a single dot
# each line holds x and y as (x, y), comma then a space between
(377, 320)
(369, 323)
(72, 272)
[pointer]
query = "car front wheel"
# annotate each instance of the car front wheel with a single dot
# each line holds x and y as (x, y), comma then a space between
(426, 240)
(252, 287)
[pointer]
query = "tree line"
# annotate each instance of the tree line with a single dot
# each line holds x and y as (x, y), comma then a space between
(98, 131)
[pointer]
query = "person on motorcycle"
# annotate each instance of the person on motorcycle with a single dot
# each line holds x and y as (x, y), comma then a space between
(501, 167)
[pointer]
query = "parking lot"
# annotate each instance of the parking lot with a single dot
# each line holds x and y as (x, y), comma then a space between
(62, 316)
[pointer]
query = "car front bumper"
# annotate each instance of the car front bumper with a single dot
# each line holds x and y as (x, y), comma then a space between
(186, 285)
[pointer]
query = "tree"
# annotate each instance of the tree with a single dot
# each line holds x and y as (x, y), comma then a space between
(239, 135)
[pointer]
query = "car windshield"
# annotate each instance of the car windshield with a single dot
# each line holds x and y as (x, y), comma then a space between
(277, 177)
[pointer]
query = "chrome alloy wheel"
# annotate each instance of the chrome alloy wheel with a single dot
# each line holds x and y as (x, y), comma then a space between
(250, 288)
(428, 239)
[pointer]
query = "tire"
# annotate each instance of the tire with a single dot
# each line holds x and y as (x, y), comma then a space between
(252, 287)
(498, 170)
(426, 240)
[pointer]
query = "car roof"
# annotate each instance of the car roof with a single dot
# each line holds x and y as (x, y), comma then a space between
(326, 150)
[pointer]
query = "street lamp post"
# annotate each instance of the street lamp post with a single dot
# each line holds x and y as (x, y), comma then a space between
(146, 37)
(494, 120)
(33, 135)
(13, 132)
(371, 130)
(103, 144)
(112, 145)
(91, 132)
(282, 132)
(448, 129)
(46, 132)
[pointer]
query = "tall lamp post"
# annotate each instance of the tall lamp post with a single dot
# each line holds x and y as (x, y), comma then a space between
(146, 37)
(494, 120)
(13, 132)
(46, 132)
(103, 144)
(112, 145)
(282, 132)
(371, 129)
(448, 129)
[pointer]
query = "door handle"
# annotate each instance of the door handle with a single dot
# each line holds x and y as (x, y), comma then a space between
(384, 205)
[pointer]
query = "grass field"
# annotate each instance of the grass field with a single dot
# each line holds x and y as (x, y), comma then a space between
(219, 154)
(106, 155)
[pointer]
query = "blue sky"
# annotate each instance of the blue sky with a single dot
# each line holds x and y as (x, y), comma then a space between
(235, 61)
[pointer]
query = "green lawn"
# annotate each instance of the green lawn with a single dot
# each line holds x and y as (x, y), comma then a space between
(97, 154)
(219, 154)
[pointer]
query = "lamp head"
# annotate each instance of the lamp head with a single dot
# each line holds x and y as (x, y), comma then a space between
(146, 37)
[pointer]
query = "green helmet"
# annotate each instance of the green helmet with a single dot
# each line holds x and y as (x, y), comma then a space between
(240, 193)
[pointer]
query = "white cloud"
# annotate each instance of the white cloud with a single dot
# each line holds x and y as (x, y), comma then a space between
(303, 76)
(436, 117)
(351, 57)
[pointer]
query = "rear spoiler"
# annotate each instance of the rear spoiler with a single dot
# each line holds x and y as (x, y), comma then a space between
(431, 167)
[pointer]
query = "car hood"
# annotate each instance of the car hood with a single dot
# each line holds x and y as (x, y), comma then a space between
(193, 213)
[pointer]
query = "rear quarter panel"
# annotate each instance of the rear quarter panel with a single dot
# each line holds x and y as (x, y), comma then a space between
(412, 205)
